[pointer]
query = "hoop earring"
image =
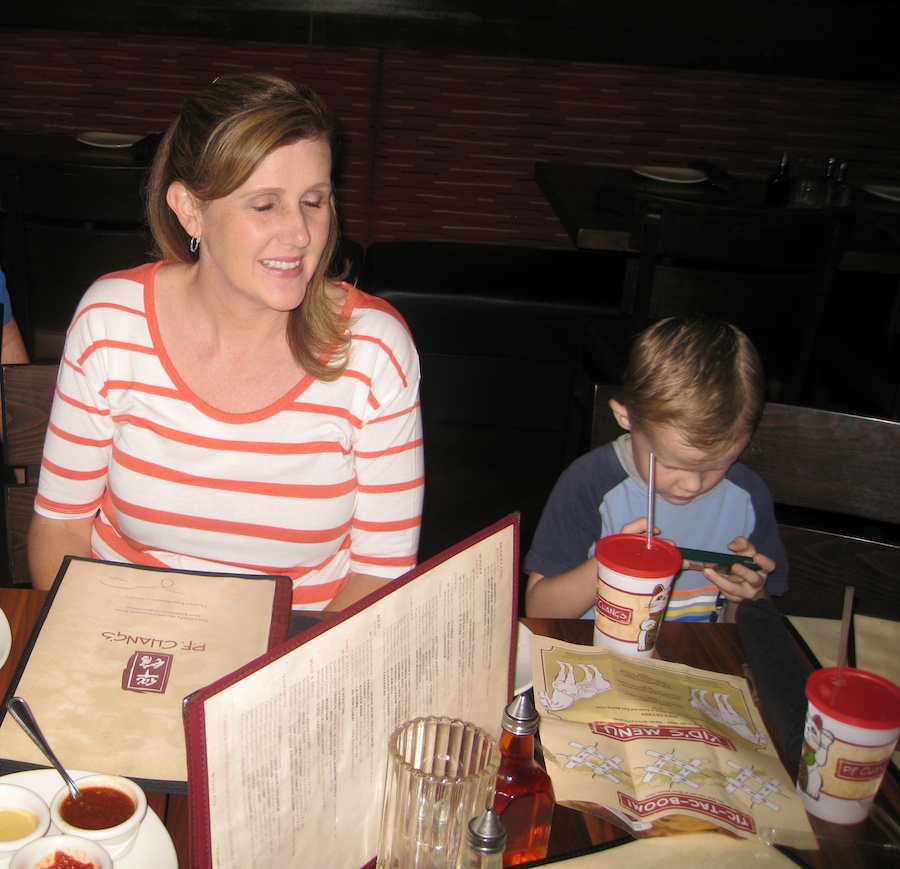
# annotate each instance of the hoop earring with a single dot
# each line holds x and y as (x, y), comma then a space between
(195, 243)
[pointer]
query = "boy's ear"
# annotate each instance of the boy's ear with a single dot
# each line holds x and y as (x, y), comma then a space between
(620, 412)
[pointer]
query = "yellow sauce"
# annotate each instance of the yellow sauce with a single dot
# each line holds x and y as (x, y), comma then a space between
(16, 823)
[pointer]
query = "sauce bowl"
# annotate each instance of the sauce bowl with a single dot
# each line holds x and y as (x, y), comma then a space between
(16, 805)
(40, 852)
(117, 839)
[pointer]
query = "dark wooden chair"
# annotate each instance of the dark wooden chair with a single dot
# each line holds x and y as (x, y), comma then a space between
(66, 225)
(27, 392)
(833, 477)
(767, 270)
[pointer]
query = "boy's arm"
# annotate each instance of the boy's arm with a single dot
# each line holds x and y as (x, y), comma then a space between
(567, 595)
(571, 594)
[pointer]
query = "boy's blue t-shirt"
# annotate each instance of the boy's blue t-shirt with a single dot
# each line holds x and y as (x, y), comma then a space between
(602, 491)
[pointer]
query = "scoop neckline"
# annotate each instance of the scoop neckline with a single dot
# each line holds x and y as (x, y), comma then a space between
(181, 385)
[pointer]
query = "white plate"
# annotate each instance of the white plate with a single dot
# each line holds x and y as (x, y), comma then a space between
(5, 638)
(883, 191)
(108, 140)
(672, 174)
(523, 660)
(153, 848)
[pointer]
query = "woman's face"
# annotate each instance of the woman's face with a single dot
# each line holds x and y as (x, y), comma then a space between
(264, 241)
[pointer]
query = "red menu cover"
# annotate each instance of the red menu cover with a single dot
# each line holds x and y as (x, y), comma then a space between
(286, 756)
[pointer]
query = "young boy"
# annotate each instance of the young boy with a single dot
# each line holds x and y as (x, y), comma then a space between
(693, 393)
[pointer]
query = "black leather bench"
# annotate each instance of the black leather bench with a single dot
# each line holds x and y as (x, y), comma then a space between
(498, 333)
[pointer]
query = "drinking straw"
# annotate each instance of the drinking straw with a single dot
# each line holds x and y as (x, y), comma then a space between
(846, 620)
(651, 496)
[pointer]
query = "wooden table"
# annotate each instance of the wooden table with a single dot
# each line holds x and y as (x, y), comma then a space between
(593, 203)
(67, 149)
(698, 645)
(718, 647)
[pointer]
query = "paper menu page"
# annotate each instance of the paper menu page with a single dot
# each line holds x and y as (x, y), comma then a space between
(119, 649)
(656, 746)
(296, 750)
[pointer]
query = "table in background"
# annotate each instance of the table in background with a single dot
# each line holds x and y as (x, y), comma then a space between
(594, 205)
(718, 648)
(67, 149)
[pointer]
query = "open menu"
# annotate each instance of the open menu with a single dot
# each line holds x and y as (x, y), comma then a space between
(661, 748)
(287, 756)
(116, 650)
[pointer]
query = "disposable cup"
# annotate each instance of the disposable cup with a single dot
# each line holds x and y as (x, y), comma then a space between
(634, 581)
(849, 737)
(441, 773)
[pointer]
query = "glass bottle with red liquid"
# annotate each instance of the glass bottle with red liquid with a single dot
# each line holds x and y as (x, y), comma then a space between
(524, 795)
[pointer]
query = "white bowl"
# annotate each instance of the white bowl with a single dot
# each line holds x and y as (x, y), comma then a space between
(117, 840)
(40, 852)
(14, 797)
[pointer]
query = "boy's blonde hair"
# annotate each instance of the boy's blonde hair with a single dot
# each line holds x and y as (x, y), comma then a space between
(697, 375)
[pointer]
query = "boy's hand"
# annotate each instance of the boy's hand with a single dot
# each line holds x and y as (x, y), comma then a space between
(638, 526)
(743, 583)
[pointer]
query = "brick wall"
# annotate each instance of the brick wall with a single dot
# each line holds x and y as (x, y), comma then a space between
(66, 83)
(442, 147)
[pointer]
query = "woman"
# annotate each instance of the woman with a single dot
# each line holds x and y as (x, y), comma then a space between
(229, 408)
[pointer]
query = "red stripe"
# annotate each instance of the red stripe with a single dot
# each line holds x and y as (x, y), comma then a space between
(387, 488)
(283, 490)
(224, 526)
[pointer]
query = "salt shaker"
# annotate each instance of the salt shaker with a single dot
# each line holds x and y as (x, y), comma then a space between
(484, 842)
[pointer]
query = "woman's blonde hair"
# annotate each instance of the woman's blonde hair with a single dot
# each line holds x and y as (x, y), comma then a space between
(697, 375)
(212, 147)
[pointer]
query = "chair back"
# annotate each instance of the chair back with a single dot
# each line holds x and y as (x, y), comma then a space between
(833, 478)
(767, 270)
(27, 392)
(67, 225)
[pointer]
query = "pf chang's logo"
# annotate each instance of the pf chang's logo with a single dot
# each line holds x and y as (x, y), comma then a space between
(619, 614)
(855, 770)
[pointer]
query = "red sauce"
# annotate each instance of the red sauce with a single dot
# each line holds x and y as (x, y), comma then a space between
(62, 860)
(98, 808)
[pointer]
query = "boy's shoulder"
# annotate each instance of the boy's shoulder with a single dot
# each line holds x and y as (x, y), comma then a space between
(748, 480)
(599, 468)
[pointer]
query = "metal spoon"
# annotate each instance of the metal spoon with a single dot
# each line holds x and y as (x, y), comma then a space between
(24, 717)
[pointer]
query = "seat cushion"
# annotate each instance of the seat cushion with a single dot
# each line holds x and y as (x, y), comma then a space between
(492, 300)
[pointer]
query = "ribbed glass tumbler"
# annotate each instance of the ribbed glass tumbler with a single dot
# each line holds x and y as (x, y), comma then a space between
(441, 773)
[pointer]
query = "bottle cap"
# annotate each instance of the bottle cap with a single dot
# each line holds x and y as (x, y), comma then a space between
(487, 833)
(520, 718)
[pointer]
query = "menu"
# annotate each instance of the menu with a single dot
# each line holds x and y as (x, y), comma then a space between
(661, 748)
(287, 757)
(116, 650)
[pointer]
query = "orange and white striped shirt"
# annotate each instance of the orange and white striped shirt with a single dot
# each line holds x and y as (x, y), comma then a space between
(325, 481)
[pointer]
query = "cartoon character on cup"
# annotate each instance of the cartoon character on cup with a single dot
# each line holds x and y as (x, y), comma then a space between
(650, 625)
(816, 742)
